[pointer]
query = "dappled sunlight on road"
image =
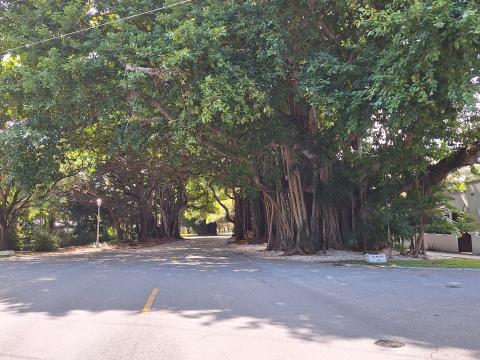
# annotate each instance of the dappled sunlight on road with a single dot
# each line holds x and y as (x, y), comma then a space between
(208, 293)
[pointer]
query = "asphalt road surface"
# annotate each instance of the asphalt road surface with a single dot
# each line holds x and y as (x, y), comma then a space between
(198, 299)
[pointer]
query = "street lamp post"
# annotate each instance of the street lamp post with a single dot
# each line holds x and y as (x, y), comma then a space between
(99, 203)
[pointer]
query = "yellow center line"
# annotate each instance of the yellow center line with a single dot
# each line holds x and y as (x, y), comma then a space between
(150, 300)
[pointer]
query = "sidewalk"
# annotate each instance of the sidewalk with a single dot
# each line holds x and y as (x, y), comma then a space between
(440, 255)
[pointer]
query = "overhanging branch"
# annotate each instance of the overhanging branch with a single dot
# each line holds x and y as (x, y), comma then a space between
(217, 199)
(465, 156)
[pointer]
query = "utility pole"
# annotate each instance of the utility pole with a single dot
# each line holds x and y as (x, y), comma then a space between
(99, 203)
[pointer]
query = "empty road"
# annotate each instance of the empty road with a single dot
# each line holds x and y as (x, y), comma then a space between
(198, 299)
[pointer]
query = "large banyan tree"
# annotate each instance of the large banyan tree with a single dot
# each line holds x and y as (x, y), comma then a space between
(335, 121)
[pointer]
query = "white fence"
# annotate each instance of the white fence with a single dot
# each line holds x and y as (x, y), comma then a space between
(441, 242)
(475, 244)
(449, 243)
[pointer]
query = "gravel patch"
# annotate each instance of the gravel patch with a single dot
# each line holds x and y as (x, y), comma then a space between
(330, 257)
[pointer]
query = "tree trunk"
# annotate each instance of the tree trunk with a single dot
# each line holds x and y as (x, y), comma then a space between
(117, 225)
(6, 239)
(284, 227)
(331, 224)
(257, 211)
(171, 224)
(144, 223)
(273, 242)
(420, 249)
(171, 202)
(304, 243)
(241, 217)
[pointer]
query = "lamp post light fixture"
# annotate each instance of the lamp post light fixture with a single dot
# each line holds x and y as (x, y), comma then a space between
(99, 203)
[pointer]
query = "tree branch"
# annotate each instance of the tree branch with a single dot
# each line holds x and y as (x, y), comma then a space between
(227, 212)
(466, 156)
(146, 70)
(159, 106)
(323, 25)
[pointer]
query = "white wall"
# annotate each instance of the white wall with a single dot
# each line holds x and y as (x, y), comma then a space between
(442, 242)
(473, 198)
(469, 199)
(475, 244)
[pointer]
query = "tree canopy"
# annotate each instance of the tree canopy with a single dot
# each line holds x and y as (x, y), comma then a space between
(330, 123)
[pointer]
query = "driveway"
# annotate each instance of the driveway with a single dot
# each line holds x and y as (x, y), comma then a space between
(198, 299)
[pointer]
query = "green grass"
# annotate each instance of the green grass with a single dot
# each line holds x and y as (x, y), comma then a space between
(23, 254)
(458, 263)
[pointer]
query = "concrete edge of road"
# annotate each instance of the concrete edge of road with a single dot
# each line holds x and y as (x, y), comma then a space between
(7, 253)
(345, 263)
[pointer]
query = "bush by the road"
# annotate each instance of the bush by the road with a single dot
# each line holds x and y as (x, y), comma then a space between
(43, 241)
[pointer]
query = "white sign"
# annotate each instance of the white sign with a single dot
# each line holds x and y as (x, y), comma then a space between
(375, 258)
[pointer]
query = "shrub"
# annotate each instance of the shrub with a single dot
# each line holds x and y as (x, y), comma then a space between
(463, 222)
(441, 225)
(83, 237)
(115, 241)
(43, 241)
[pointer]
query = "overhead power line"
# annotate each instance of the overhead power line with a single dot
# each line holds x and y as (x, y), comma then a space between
(94, 27)
(10, 2)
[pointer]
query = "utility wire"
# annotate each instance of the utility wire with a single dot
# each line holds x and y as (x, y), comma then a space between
(94, 27)
(8, 3)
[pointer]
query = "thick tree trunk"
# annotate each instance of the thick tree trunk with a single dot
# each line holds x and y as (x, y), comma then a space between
(171, 224)
(332, 237)
(273, 241)
(250, 218)
(299, 218)
(420, 249)
(331, 228)
(304, 242)
(6, 238)
(146, 223)
(50, 224)
(8, 223)
(142, 229)
(257, 210)
(241, 217)
(172, 204)
(283, 226)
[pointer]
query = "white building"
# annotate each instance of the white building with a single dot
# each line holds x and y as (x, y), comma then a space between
(469, 199)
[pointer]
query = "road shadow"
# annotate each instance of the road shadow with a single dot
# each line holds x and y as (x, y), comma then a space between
(205, 281)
